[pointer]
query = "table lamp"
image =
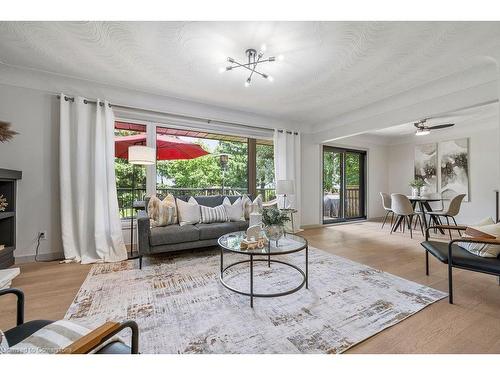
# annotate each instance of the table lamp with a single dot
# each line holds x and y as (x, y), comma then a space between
(285, 187)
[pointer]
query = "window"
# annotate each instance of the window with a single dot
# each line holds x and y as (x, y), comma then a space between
(223, 164)
(123, 170)
(222, 171)
(265, 184)
(343, 184)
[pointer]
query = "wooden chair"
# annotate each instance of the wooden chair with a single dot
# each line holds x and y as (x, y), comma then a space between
(386, 203)
(451, 212)
(85, 344)
(457, 257)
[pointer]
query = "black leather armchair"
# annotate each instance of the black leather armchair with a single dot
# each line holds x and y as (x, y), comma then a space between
(456, 257)
(84, 345)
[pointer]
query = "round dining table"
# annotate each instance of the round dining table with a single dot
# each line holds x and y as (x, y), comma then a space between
(425, 207)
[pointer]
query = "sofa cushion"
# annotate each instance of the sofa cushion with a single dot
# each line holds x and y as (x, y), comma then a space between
(461, 257)
(215, 230)
(173, 234)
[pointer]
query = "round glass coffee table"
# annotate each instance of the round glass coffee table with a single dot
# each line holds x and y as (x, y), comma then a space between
(286, 245)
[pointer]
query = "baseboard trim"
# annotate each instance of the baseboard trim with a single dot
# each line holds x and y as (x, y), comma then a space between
(47, 257)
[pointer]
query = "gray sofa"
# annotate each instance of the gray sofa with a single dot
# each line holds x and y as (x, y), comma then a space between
(175, 237)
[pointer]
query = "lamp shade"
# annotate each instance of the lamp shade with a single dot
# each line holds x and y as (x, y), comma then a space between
(285, 187)
(141, 155)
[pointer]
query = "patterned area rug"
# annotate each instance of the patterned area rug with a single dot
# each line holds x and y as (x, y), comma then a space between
(181, 306)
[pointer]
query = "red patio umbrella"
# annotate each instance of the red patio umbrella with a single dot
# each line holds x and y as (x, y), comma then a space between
(167, 147)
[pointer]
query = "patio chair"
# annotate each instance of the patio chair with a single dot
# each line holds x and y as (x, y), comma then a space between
(457, 257)
(85, 344)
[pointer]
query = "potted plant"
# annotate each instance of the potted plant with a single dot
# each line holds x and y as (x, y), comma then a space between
(416, 185)
(274, 223)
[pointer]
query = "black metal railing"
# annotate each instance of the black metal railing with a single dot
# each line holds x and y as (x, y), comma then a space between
(126, 198)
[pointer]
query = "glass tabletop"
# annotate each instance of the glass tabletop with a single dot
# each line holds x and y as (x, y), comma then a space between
(290, 243)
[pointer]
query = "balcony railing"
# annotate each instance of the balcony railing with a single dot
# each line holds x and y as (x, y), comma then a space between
(125, 198)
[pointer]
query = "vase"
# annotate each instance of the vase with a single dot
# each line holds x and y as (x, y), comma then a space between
(274, 232)
(415, 192)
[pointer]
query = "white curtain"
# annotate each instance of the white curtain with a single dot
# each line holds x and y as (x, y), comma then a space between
(287, 167)
(91, 228)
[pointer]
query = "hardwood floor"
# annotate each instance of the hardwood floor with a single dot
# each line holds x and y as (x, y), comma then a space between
(471, 325)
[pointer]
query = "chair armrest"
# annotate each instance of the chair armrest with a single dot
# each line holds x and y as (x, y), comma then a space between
(452, 227)
(20, 302)
(100, 335)
(143, 232)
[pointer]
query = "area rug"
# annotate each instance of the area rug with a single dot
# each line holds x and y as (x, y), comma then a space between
(181, 306)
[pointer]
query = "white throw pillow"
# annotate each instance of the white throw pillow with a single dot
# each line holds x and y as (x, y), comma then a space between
(234, 211)
(249, 206)
(481, 249)
(215, 214)
(188, 212)
(162, 213)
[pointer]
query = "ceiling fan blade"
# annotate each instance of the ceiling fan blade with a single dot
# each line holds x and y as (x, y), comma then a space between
(442, 126)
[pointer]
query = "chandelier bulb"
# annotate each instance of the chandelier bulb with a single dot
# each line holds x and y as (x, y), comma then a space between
(270, 78)
(247, 82)
(281, 57)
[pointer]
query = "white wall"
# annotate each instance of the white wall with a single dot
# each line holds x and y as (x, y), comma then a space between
(483, 168)
(34, 151)
(377, 177)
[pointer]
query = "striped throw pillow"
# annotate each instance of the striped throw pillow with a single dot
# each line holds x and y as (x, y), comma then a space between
(213, 214)
(53, 338)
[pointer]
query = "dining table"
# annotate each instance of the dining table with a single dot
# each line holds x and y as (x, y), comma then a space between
(425, 207)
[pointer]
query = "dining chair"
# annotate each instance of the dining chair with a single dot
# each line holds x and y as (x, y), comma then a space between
(402, 208)
(451, 212)
(386, 203)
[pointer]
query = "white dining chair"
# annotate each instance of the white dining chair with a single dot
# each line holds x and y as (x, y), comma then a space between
(386, 203)
(452, 211)
(402, 208)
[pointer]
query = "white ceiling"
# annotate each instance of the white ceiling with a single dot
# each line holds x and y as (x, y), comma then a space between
(330, 68)
(476, 116)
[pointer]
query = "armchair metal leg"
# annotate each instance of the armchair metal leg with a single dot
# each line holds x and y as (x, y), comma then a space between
(426, 262)
(140, 262)
(450, 282)
(392, 217)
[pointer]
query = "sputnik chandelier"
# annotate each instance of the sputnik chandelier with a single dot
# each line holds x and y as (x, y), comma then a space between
(254, 58)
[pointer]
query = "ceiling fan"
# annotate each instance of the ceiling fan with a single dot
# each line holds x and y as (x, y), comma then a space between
(422, 129)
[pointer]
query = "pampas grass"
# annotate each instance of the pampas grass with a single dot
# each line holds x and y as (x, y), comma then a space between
(6, 134)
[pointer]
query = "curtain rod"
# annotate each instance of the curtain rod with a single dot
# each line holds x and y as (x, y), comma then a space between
(288, 132)
(208, 121)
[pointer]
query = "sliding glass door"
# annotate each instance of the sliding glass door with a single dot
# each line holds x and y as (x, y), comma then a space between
(343, 184)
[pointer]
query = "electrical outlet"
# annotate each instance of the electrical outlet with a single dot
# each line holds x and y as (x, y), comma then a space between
(42, 235)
